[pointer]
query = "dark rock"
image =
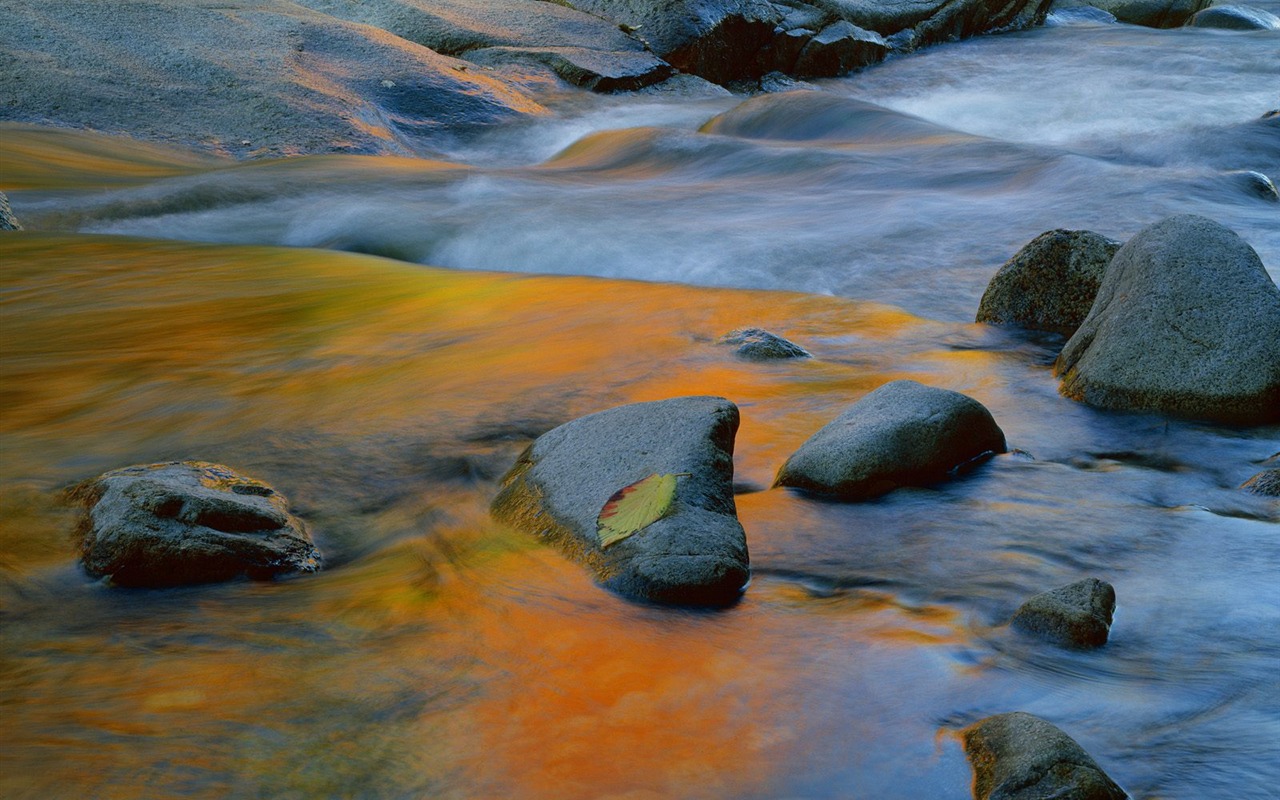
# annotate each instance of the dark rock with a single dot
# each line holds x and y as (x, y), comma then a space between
(1236, 18)
(1255, 183)
(696, 555)
(1050, 284)
(8, 222)
(1151, 13)
(756, 344)
(1079, 15)
(720, 40)
(808, 115)
(902, 434)
(1265, 483)
(839, 48)
(1076, 615)
(1018, 756)
(189, 522)
(1185, 324)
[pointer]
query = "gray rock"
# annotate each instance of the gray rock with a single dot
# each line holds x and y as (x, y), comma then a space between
(839, 48)
(1185, 323)
(1018, 756)
(696, 555)
(808, 115)
(8, 222)
(1265, 483)
(756, 344)
(1076, 615)
(902, 434)
(1050, 284)
(1236, 18)
(1151, 13)
(188, 522)
(590, 69)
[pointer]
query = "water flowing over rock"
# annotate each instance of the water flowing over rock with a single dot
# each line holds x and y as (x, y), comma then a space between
(1265, 483)
(1076, 615)
(756, 344)
(8, 222)
(1238, 18)
(902, 434)
(1017, 756)
(694, 555)
(1050, 284)
(189, 522)
(1185, 324)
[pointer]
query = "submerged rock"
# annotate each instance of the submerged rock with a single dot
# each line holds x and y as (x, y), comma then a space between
(1237, 18)
(694, 555)
(902, 434)
(1050, 284)
(1076, 615)
(837, 49)
(1255, 183)
(189, 522)
(8, 222)
(1184, 323)
(1150, 13)
(757, 344)
(1265, 483)
(1017, 756)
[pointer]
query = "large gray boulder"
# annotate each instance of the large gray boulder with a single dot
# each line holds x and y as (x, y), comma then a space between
(267, 78)
(694, 555)
(1185, 323)
(902, 434)
(1150, 13)
(1017, 756)
(189, 522)
(1237, 18)
(1050, 284)
(1076, 615)
(8, 222)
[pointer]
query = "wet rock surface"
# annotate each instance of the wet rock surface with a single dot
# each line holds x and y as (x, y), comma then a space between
(1018, 756)
(1050, 284)
(1234, 17)
(1184, 324)
(757, 344)
(902, 434)
(1265, 483)
(1149, 13)
(189, 522)
(694, 555)
(1077, 615)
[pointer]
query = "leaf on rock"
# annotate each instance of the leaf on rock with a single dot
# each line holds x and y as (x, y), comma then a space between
(633, 508)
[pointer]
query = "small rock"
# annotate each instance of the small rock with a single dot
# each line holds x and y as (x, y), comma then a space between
(1236, 18)
(1184, 323)
(1076, 615)
(902, 434)
(189, 522)
(757, 344)
(696, 554)
(839, 48)
(1150, 13)
(1050, 284)
(1255, 183)
(1018, 756)
(1265, 483)
(8, 222)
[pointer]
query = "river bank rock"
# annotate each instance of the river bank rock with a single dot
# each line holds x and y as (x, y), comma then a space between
(1149, 13)
(189, 522)
(1265, 483)
(8, 222)
(902, 434)
(1236, 18)
(1076, 615)
(694, 555)
(1018, 756)
(1185, 324)
(757, 344)
(1050, 284)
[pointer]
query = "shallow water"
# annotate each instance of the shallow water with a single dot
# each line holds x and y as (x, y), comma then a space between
(441, 655)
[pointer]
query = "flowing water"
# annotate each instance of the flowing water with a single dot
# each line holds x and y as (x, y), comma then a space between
(150, 314)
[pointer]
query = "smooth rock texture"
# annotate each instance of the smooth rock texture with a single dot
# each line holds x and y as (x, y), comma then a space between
(1185, 323)
(696, 555)
(1237, 18)
(902, 434)
(756, 344)
(1018, 756)
(8, 222)
(189, 522)
(1150, 13)
(1076, 615)
(1265, 483)
(1050, 284)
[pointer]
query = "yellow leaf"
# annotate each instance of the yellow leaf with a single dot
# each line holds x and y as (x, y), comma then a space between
(635, 507)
